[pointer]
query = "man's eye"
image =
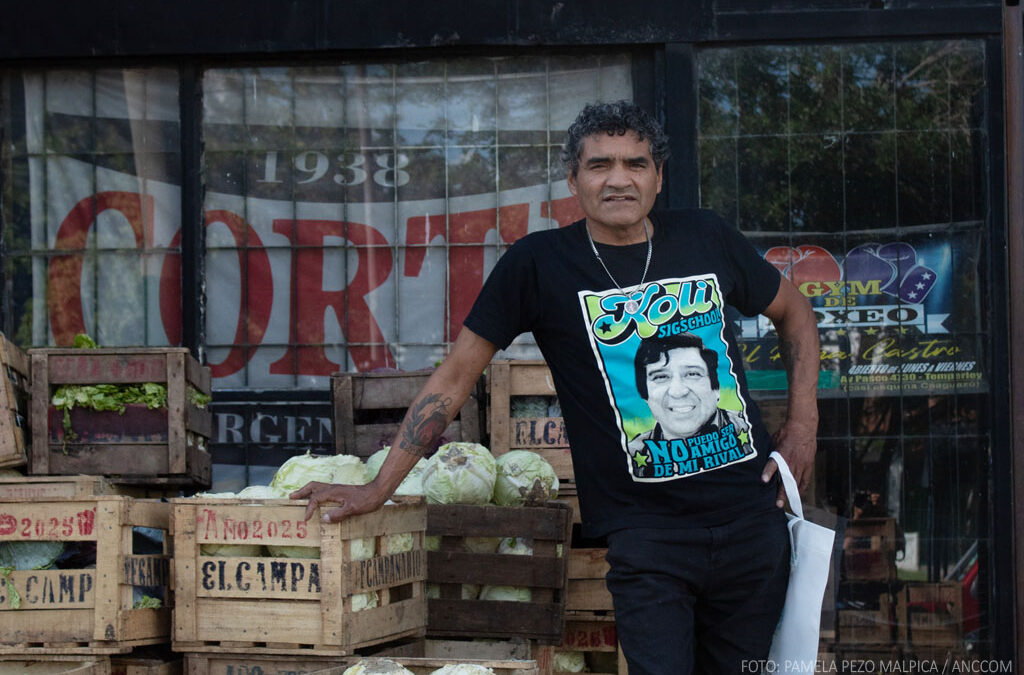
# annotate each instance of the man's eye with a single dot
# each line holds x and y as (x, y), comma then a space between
(658, 378)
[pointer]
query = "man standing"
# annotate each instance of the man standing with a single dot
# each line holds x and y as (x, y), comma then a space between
(699, 558)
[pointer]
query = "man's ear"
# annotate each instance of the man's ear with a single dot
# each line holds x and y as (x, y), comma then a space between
(661, 176)
(571, 179)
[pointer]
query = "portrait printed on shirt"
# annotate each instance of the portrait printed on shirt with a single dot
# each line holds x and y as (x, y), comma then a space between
(666, 367)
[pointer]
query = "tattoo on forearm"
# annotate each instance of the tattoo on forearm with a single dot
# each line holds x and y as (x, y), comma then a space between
(427, 420)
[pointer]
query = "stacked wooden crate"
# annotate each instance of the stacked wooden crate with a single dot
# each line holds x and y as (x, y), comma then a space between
(92, 604)
(368, 409)
(105, 605)
(158, 447)
(15, 396)
(329, 591)
(523, 414)
(543, 572)
(931, 616)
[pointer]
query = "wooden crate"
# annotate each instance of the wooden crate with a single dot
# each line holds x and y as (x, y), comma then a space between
(544, 572)
(56, 667)
(97, 665)
(15, 392)
(302, 606)
(595, 637)
(86, 610)
(142, 446)
(368, 409)
(587, 590)
(51, 487)
(215, 663)
(142, 665)
(543, 435)
(869, 550)
(931, 614)
(868, 626)
(421, 656)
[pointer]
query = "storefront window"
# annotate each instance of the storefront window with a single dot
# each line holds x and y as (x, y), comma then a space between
(91, 205)
(354, 211)
(858, 171)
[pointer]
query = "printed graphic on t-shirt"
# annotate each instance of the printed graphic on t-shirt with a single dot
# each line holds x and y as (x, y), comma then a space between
(667, 372)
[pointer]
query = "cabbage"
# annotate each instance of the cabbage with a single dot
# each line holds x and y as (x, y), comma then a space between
(469, 591)
(361, 601)
(568, 662)
(411, 485)
(216, 495)
(524, 478)
(308, 552)
(399, 543)
(460, 473)
(29, 555)
(232, 550)
(510, 546)
(506, 593)
(262, 492)
(463, 669)
(302, 469)
(515, 546)
(377, 667)
(348, 470)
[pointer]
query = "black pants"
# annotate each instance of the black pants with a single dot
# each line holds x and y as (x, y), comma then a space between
(699, 600)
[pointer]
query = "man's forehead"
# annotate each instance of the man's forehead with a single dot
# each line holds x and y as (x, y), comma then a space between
(629, 144)
(688, 356)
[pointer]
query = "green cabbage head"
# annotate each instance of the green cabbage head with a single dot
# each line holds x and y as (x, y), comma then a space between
(301, 469)
(524, 478)
(460, 473)
(378, 667)
(463, 669)
(411, 485)
(569, 662)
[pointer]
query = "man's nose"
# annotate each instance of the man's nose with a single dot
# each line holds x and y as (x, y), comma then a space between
(678, 388)
(618, 176)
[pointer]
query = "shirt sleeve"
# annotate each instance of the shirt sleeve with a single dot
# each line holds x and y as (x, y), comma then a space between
(757, 280)
(508, 302)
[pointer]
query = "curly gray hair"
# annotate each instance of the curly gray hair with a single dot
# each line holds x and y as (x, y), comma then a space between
(615, 118)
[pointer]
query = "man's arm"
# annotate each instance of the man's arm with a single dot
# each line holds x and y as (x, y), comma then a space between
(800, 350)
(427, 418)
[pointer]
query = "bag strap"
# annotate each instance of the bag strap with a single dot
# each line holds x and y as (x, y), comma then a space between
(792, 491)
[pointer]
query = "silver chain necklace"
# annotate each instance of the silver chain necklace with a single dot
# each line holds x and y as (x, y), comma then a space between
(631, 305)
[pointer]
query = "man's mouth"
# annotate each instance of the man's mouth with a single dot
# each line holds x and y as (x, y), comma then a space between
(684, 409)
(620, 198)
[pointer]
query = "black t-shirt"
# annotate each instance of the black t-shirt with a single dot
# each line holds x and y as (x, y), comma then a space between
(639, 458)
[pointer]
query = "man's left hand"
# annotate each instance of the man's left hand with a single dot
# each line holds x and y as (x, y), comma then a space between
(797, 442)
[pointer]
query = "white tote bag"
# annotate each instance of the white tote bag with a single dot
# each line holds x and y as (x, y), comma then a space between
(795, 643)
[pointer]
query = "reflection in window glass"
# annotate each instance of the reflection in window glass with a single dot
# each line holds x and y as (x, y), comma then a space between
(91, 206)
(858, 171)
(354, 211)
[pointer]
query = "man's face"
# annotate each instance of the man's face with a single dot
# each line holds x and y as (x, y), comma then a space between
(616, 183)
(679, 392)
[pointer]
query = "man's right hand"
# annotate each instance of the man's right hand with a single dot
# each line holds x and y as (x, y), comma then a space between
(351, 500)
